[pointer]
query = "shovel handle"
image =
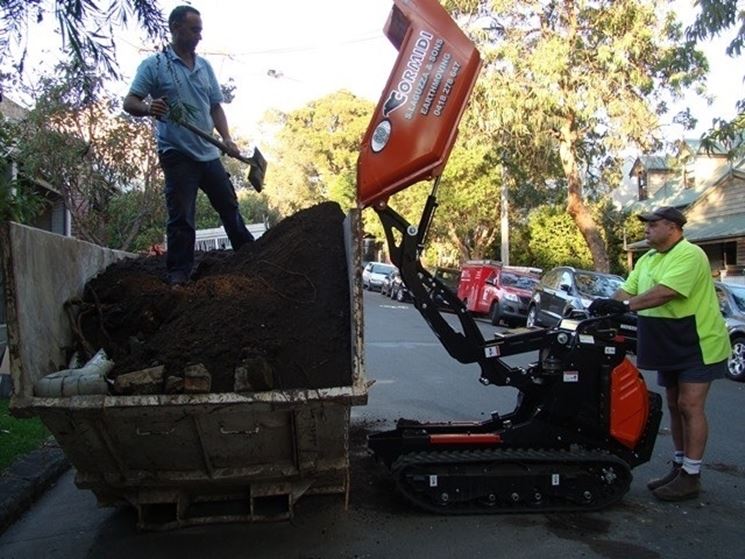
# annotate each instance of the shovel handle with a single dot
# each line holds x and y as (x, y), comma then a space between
(222, 147)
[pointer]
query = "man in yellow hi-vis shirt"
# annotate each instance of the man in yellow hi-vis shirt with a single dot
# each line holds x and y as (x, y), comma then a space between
(681, 334)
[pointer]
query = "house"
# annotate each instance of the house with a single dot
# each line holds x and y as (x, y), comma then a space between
(54, 217)
(709, 189)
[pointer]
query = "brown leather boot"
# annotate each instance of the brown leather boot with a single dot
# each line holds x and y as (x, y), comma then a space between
(653, 484)
(684, 486)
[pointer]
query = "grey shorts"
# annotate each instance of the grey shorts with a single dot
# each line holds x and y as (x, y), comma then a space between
(699, 373)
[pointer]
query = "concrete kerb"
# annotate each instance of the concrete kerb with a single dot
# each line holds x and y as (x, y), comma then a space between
(26, 479)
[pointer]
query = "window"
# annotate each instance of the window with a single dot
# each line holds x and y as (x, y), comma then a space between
(597, 285)
(738, 294)
(551, 279)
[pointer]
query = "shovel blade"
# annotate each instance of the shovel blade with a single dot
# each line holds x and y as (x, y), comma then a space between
(258, 170)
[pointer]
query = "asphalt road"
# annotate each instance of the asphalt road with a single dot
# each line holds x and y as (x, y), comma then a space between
(415, 378)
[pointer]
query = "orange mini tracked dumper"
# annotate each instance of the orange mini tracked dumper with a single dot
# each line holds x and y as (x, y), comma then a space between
(584, 416)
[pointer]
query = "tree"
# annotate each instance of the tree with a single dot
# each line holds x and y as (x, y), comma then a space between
(555, 239)
(716, 17)
(18, 201)
(73, 141)
(316, 152)
(87, 30)
(568, 84)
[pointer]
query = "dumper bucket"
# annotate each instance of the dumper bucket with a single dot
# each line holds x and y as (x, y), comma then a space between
(415, 123)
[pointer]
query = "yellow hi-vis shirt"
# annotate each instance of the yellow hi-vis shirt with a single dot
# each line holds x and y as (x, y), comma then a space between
(689, 330)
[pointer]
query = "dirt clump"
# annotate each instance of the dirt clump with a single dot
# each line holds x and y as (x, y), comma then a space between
(279, 306)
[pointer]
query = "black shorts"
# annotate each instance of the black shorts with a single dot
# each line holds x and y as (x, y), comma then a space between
(698, 373)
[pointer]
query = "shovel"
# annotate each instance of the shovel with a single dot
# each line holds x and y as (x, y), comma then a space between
(257, 161)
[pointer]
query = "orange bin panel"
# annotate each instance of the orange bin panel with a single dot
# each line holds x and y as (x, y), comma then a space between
(629, 404)
(415, 123)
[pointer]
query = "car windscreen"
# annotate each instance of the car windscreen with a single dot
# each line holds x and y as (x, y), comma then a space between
(597, 285)
(518, 281)
(382, 269)
(448, 278)
(738, 294)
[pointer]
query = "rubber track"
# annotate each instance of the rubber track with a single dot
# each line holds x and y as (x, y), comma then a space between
(473, 462)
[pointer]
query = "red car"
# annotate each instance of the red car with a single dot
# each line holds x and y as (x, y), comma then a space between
(500, 292)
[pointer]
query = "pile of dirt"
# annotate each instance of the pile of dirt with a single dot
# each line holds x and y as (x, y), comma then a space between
(280, 303)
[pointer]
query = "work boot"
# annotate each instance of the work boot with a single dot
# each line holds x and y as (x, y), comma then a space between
(653, 484)
(684, 486)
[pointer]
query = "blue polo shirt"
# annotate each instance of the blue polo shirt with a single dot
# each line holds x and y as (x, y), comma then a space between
(165, 75)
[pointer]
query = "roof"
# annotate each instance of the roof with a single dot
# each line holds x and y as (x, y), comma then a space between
(714, 229)
(650, 163)
(11, 110)
(672, 194)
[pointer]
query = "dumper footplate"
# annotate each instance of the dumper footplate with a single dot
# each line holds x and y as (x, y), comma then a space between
(497, 481)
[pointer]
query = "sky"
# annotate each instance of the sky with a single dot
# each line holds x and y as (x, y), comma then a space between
(284, 53)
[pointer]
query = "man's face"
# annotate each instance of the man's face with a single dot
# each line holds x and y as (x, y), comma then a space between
(659, 233)
(188, 32)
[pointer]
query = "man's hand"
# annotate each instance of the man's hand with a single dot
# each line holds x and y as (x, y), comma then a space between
(233, 148)
(159, 107)
(607, 306)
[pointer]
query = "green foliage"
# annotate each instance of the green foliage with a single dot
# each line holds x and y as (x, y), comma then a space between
(87, 31)
(81, 148)
(254, 207)
(316, 152)
(126, 209)
(567, 85)
(714, 18)
(555, 239)
(18, 436)
(18, 200)
(469, 210)
(717, 16)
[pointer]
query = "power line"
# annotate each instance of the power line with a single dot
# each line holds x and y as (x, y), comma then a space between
(370, 36)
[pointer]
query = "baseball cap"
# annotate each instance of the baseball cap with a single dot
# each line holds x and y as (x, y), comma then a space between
(665, 212)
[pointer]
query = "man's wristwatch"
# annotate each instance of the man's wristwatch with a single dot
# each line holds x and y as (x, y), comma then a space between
(627, 304)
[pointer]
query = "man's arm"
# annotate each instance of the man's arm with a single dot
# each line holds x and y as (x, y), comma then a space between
(221, 125)
(136, 106)
(653, 297)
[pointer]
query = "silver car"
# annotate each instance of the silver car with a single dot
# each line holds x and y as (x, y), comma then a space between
(732, 303)
(375, 273)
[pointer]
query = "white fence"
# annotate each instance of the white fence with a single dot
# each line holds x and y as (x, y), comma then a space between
(213, 239)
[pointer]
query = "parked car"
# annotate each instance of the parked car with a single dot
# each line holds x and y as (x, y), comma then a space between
(449, 276)
(500, 292)
(374, 273)
(386, 288)
(566, 290)
(399, 291)
(732, 303)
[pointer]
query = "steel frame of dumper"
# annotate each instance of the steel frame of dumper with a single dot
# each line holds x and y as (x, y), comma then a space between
(180, 460)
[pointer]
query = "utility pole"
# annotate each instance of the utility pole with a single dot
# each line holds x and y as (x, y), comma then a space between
(504, 219)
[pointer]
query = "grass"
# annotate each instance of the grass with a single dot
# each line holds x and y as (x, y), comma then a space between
(18, 436)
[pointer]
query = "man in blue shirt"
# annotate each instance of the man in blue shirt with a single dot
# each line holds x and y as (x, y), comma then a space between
(177, 83)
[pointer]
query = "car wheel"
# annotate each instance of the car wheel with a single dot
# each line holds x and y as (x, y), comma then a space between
(494, 313)
(736, 362)
(530, 320)
(400, 295)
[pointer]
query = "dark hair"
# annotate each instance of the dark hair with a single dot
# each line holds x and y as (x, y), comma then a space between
(179, 14)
